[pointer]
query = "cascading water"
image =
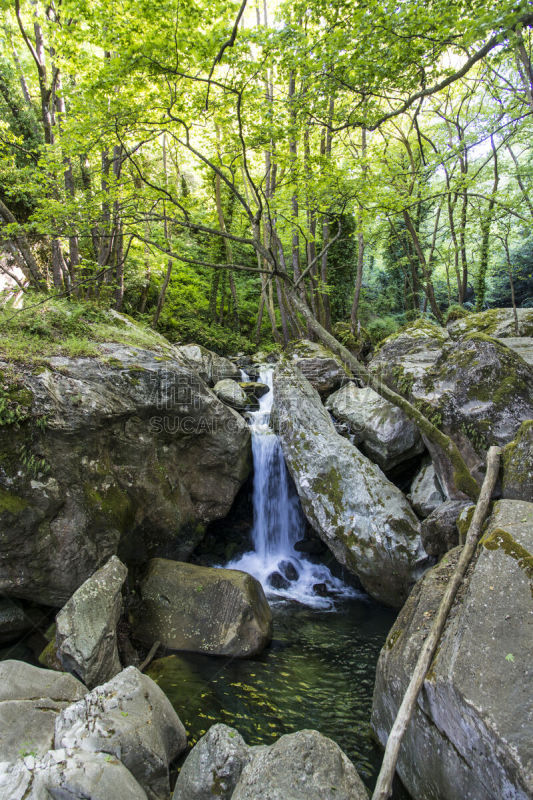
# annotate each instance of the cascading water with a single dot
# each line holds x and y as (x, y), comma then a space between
(279, 523)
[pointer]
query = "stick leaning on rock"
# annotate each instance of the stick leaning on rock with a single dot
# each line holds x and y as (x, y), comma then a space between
(407, 707)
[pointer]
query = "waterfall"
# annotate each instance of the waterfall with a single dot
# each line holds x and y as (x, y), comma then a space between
(279, 522)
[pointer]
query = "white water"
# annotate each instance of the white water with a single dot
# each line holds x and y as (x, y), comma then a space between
(279, 522)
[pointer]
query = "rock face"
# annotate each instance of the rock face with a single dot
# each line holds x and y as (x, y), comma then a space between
(360, 515)
(130, 718)
(300, 766)
(471, 733)
(497, 322)
(127, 454)
(69, 775)
(522, 346)
(209, 366)
(232, 393)
(214, 765)
(202, 609)
(30, 700)
(426, 493)
(474, 388)
(439, 530)
(322, 368)
(86, 627)
(517, 465)
(387, 436)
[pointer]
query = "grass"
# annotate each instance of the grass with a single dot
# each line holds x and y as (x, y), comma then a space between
(62, 327)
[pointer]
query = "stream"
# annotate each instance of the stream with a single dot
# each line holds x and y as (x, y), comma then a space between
(319, 670)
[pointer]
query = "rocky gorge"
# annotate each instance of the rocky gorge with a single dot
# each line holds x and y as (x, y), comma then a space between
(116, 466)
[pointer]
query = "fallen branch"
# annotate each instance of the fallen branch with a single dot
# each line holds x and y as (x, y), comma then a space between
(407, 707)
(149, 658)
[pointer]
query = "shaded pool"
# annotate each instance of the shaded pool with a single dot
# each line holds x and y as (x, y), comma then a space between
(318, 673)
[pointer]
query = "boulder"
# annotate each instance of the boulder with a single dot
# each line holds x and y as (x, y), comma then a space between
(254, 388)
(16, 620)
(522, 346)
(426, 493)
(128, 454)
(208, 365)
(474, 389)
(439, 530)
(300, 766)
(497, 322)
(130, 718)
(86, 627)
(323, 369)
(30, 700)
(517, 465)
(387, 436)
(68, 775)
(359, 514)
(231, 393)
(471, 734)
(202, 609)
(213, 767)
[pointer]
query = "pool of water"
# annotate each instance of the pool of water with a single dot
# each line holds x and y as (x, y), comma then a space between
(318, 673)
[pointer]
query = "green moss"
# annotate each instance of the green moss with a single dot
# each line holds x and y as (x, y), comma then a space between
(392, 638)
(501, 539)
(11, 503)
(113, 502)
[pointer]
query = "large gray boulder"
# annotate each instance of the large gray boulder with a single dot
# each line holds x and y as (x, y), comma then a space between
(213, 767)
(522, 346)
(517, 465)
(86, 627)
(130, 718)
(208, 365)
(426, 492)
(387, 436)
(497, 322)
(68, 775)
(30, 700)
(231, 393)
(323, 369)
(474, 388)
(300, 766)
(202, 609)
(129, 453)
(360, 515)
(472, 732)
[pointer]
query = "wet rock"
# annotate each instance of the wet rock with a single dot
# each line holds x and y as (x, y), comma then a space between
(213, 767)
(439, 530)
(131, 719)
(426, 494)
(69, 775)
(277, 581)
(211, 367)
(202, 609)
(322, 368)
(300, 766)
(358, 513)
(288, 569)
(517, 465)
(320, 589)
(254, 388)
(86, 627)
(388, 437)
(135, 457)
(231, 393)
(30, 700)
(471, 732)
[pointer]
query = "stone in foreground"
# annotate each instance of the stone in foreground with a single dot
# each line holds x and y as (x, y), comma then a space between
(131, 719)
(472, 732)
(517, 465)
(388, 437)
(68, 775)
(231, 393)
(86, 627)
(203, 610)
(426, 493)
(323, 369)
(30, 700)
(359, 514)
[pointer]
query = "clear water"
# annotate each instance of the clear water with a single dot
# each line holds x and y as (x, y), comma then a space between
(318, 673)
(279, 523)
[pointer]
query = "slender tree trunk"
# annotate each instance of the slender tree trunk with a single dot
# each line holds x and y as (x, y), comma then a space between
(360, 248)
(168, 273)
(428, 283)
(481, 283)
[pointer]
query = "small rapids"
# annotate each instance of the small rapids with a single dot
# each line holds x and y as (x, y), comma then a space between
(278, 523)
